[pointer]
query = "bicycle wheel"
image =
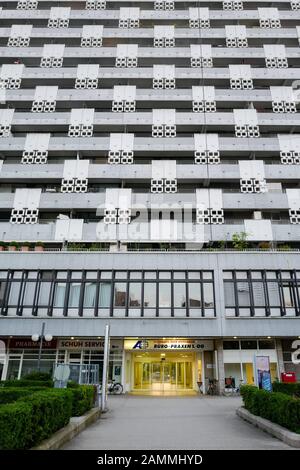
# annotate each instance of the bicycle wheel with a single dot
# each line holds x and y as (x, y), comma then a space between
(118, 388)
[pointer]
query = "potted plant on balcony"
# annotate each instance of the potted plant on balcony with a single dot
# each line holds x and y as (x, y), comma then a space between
(239, 241)
(25, 246)
(3, 245)
(39, 246)
(13, 246)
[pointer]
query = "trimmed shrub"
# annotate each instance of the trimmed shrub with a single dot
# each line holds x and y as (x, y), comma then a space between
(26, 383)
(30, 420)
(10, 394)
(39, 376)
(292, 389)
(277, 407)
(83, 398)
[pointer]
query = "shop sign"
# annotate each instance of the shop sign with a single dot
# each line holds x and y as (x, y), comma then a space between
(88, 344)
(27, 343)
(168, 344)
(296, 354)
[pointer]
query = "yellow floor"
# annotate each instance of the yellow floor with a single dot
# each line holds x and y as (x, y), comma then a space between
(158, 393)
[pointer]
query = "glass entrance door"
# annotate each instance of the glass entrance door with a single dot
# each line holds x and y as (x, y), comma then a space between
(163, 376)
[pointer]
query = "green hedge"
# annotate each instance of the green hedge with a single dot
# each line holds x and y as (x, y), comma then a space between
(37, 414)
(26, 383)
(277, 407)
(10, 394)
(28, 421)
(83, 399)
(292, 389)
(40, 376)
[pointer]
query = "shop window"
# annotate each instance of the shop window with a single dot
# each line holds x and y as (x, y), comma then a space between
(149, 295)
(179, 295)
(251, 344)
(194, 295)
(135, 294)
(266, 344)
(231, 345)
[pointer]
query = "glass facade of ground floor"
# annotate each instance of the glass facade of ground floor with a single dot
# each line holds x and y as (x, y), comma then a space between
(152, 365)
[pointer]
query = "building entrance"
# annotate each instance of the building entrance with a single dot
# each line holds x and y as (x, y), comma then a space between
(163, 372)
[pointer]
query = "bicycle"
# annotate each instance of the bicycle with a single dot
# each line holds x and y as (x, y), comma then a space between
(212, 387)
(113, 388)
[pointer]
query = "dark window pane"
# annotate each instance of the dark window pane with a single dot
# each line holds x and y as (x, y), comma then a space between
(231, 345)
(249, 344)
(266, 344)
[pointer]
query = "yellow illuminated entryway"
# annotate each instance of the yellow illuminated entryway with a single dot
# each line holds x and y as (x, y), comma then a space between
(163, 372)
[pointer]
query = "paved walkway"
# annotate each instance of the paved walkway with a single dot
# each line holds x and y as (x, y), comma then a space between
(136, 422)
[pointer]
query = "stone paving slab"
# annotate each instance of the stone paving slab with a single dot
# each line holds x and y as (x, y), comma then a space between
(195, 423)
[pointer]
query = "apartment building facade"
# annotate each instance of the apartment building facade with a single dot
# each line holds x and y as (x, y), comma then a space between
(149, 180)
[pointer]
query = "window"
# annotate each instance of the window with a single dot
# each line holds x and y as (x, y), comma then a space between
(29, 293)
(229, 294)
(208, 293)
(135, 294)
(59, 295)
(266, 344)
(243, 294)
(194, 295)
(249, 344)
(179, 294)
(89, 299)
(14, 293)
(273, 292)
(2, 291)
(287, 294)
(164, 294)
(120, 294)
(231, 345)
(74, 294)
(150, 295)
(258, 294)
(45, 288)
(104, 294)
